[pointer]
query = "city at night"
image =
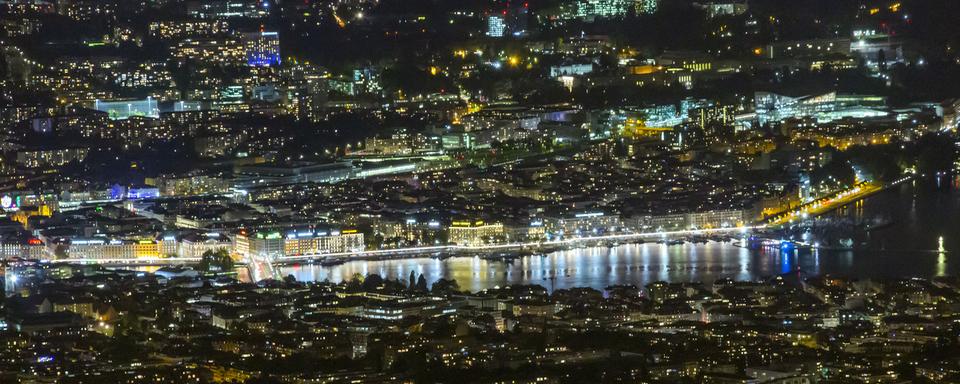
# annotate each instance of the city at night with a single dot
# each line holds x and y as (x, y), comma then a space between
(479, 191)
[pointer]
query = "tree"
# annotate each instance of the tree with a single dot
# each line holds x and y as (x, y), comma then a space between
(216, 261)
(444, 286)
(836, 171)
(60, 251)
(937, 154)
(372, 282)
(421, 284)
(412, 280)
(882, 60)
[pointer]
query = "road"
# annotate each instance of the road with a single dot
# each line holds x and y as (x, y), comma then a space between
(509, 246)
(829, 203)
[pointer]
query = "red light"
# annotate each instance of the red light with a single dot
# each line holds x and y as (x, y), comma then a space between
(34, 241)
(504, 12)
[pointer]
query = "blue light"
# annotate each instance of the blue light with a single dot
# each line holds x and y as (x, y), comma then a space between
(786, 245)
(263, 59)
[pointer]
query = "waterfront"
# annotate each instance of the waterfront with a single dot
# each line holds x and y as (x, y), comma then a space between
(906, 247)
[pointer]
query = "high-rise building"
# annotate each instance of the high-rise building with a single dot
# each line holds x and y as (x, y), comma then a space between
(496, 26)
(511, 20)
(591, 9)
(646, 7)
(262, 49)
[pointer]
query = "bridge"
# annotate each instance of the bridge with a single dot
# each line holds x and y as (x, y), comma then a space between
(265, 267)
(510, 246)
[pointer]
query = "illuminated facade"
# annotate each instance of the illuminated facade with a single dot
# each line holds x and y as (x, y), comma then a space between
(51, 157)
(178, 29)
(221, 50)
(771, 107)
(31, 249)
(590, 9)
(496, 27)
(475, 232)
(296, 242)
(696, 220)
(647, 7)
(23, 214)
(102, 248)
(723, 8)
(582, 224)
(262, 49)
(124, 109)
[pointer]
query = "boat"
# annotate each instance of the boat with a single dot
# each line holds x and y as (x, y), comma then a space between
(332, 261)
(699, 239)
(504, 257)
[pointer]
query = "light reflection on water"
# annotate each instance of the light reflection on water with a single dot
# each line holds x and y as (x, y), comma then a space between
(595, 267)
(921, 213)
(639, 264)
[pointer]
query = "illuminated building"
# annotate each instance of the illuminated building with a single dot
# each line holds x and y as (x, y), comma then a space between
(32, 248)
(194, 244)
(696, 220)
(688, 60)
(498, 117)
(637, 128)
(103, 248)
(496, 26)
(590, 9)
(951, 115)
(571, 70)
(123, 109)
(807, 48)
(707, 116)
(510, 21)
(220, 9)
(24, 213)
(145, 75)
(84, 10)
(300, 241)
(584, 46)
(771, 107)
(262, 49)
(257, 175)
(475, 232)
(582, 224)
(179, 29)
(397, 144)
(410, 230)
(50, 157)
(187, 185)
(715, 219)
(723, 8)
(222, 50)
(647, 7)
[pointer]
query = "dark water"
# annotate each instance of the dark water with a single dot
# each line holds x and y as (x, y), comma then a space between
(921, 213)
